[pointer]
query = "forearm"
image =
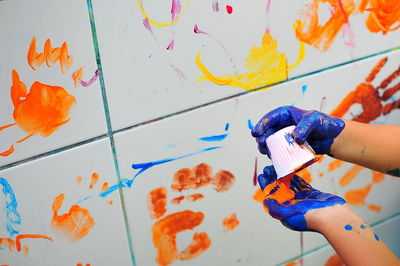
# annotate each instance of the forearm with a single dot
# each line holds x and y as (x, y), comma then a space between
(353, 240)
(373, 146)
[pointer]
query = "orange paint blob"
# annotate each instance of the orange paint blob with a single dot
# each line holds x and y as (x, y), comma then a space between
(41, 111)
(94, 179)
(334, 165)
(195, 197)
(78, 180)
(334, 260)
(321, 37)
(223, 181)
(377, 177)
(383, 15)
(321, 174)
(20, 237)
(50, 55)
(374, 207)
(104, 187)
(186, 178)
(350, 175)
(305, 174)
(157, 202)
(164, 237)
(357, 196)
(110, 202)
(75, 224)
(177, 200)
(77, 76)
(8, 152)
(230, 222)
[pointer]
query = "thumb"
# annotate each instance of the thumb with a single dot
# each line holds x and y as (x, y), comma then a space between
(267, 177)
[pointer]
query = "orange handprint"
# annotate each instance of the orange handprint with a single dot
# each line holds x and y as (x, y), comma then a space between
(383, 15)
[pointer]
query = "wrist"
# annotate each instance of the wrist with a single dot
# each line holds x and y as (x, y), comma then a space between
(339, 140)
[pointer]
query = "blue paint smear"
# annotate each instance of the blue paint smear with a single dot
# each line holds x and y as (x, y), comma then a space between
(363, 226)
(250, 124)
(214, 138)
(348, 227)
(289, 138)
(12, 215)
(304, 89)
(376, 236)
(226, 126)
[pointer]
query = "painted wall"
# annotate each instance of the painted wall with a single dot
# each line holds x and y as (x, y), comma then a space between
(126, 122)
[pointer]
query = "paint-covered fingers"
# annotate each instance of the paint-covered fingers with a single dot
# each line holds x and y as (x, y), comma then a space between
(267, 177)
(306, 125)
(298, 184)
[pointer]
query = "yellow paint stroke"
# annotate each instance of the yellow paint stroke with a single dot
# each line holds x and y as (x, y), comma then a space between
(162, 24)
(265, 65)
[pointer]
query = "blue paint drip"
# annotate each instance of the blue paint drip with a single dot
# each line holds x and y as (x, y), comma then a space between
(289, 138)
(304, 89)
(226, 126)
(348, 227)
(214, 138)
(376, 237)
(250, 124)
(12, 215)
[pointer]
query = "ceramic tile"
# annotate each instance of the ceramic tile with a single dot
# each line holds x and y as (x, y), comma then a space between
(51, 206)
(49, 104)
(151, 71)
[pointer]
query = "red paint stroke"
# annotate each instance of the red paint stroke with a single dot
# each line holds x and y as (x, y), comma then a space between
(20, 237)
(383, 15)
(334, 260)
(230, 222)
(164, 237)
(8, 152)
(350, 175)
(16, 244)
(357, 196)
(80, 264)
(229, 9)
(157, 202)
(195, 197)
(75, 224)
(186, 178)
(348, 35)
(50, 55)
(255, 175)
(322, 36)
(223, 181)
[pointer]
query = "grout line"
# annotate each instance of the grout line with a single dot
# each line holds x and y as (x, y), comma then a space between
(109, 127)
(257, 89)
(384, 220)
(49, 153)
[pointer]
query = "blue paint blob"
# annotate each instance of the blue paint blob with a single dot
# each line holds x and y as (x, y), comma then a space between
(214, 138)
(250, 124)
(226, 126)
(304, 89)
(363, 226)
(12, 216)
(348, 227)
(376, 237)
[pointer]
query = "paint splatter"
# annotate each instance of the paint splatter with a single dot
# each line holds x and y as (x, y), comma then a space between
(374, 207)
(250, 124)
(186, 178)
(13, 218)
(229, 9)
(93, 180)
(334, 260)
(157, 202)
(223, 180)
(357, 197)
(164, 237)
(348, 227)
(304, 89)
(350, 175)
(195, 197)
(73, 225)
(77, 78)
(230, 222)
(50, 55)
(383, 15)
(321, 37)
(265, 65)
(178, 200)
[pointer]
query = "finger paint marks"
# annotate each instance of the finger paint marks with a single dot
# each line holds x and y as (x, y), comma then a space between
(348, 227)
(20, 237)
(164, 237)
(334, 260)
(383, 15)
(157, 202)
(223, 181)
(178, 200)
(197, 177)
(16, 244)
(77, 78)
(195, 197)
(229, 9)
(265, 65)
(214, 138)
(13, 218)
(93, 180)
(377, 177)
(374, 207)
(73, 225)
(322, 36)
(230, 222)
(50, 55)
(7, 152)
(335, 164)
(350, 175)
(176, 16)
(357, 197)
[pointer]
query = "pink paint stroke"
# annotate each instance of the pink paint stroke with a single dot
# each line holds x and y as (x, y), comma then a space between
(147, 25)
(171, 45)
(268, 6)
(198, 31)
(90, 82)
(348, 35)
(215, 6)
(176, 8)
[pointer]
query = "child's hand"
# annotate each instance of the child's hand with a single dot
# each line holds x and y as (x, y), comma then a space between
(290, 198)
(317, 128)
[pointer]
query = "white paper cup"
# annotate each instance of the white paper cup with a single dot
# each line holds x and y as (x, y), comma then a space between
(287, 156)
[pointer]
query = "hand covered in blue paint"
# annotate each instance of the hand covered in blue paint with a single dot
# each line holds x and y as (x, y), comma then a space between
(317, 128)
(290, 198)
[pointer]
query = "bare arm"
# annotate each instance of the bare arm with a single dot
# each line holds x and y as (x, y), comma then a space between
(373, 146)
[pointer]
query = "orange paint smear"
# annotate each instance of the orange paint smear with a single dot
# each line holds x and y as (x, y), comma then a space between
(334, 260)
(177, 200)
(94, 179)
(7, 126)
(357, 196)
(305, 174)
(377, 177)
(223, 181)
(157, 202)
(371, 76)
(322, 36)
(77, 76)
(321, 174)
(164, 237)
(293, 263)
(78, 180)
(284, 193)
(104, 187)
(334, 165)
(186, 178)
(20, 237)
(41, 111)
(26, 251)
(230, 222)
(374, 207)
(50, 55)
(350, 175)
(8, 152)
(195, 197)
(383, 15)
(7, 242)
(75, 224)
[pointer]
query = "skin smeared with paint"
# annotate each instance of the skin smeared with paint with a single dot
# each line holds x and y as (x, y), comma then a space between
(50, 55)
(157, 202)
(13, 218)
(77, 78)
(75, 224)
(383, 16)
(370, 98)
(290, 198)
(164, 237)
(265, 65)
(321, 37)
(230, 222)
(317, 128)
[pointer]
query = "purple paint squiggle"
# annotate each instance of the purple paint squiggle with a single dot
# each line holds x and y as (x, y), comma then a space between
(90, 82)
